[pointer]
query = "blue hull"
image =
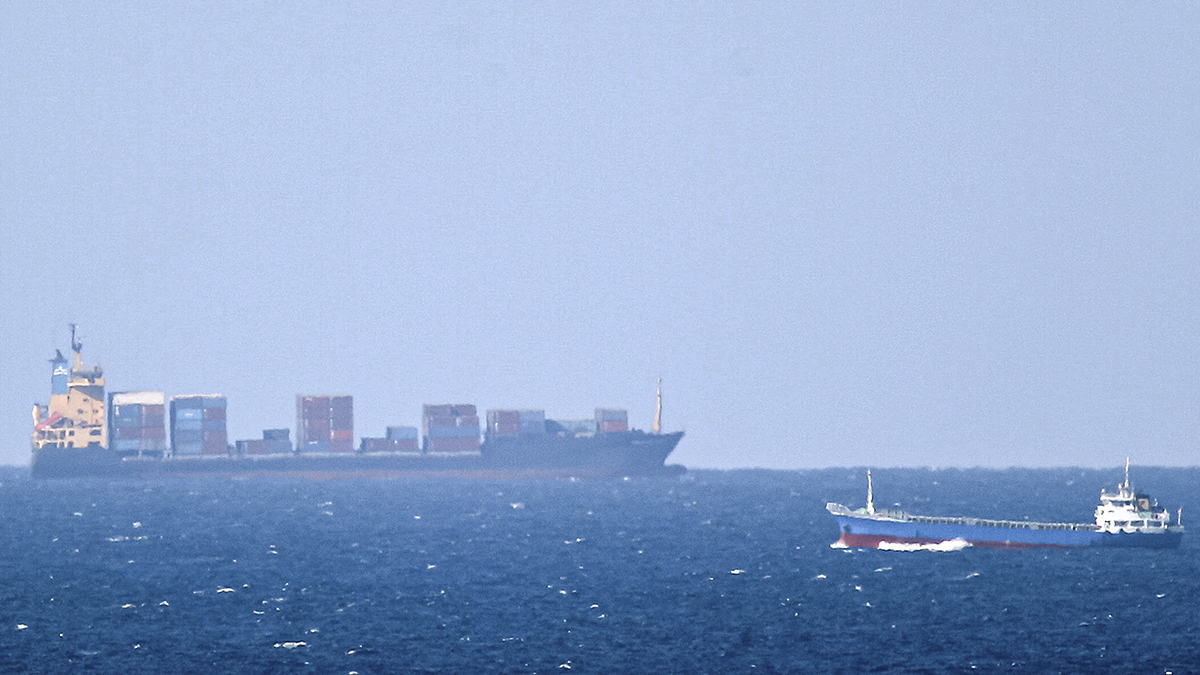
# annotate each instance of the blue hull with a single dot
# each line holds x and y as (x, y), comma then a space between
(870, 533)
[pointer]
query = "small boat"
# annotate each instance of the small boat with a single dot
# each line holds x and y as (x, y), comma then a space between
(1126, 517)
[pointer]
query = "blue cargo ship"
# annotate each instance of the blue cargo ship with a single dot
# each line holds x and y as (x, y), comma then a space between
(1123, 518)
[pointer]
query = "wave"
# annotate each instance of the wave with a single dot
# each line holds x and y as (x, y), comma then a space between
(942, 546)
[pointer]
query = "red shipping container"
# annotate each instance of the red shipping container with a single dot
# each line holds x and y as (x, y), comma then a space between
(340, 445)
(152, 409)
(337, 421)
(512, 429)
(342, 434)
(256, 447)
(214, 448)
(469, 421)
(215, 436)
(504, 417)
(214, 413)
(153, 432)
(316, 425)
(129, 432)
(440, 422)
(436, 411)
(463, 410)
(315, 401)
(341, 403)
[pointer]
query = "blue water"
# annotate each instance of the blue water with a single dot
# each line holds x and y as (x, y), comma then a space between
(714, 572)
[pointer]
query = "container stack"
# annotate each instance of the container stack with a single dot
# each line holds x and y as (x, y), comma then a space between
(198, 425)
(325, 423)
(612, 419)
(399, 439)
(450, 428)
(278, 441)
(135, 423)
(255, 447)
(273, 442)
(515, 422)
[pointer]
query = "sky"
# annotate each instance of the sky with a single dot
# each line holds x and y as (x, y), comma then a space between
(843, 234)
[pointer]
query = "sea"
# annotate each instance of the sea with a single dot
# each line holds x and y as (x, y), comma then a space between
(708, 572)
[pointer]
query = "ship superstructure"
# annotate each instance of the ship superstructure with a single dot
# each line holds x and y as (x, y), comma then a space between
(75, 416)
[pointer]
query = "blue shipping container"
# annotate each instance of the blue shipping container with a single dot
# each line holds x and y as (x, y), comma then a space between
(188, 448)
(188, 436)
(453, 432)
(401, 433)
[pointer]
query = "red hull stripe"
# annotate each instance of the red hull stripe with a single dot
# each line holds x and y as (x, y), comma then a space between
(873, 541)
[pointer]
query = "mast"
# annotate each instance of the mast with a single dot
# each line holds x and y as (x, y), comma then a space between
(657, 428)
(1127, 487)
(870, 494)
(76, 347)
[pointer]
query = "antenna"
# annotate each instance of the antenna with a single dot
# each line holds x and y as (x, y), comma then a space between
(657, 428)
(870, 494)
(1127, 487)
(75, 345)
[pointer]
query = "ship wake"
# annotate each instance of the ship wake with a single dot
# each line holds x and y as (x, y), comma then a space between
(941, 546)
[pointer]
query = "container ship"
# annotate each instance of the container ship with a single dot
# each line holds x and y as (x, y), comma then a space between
(145, 435)
(1126, 518)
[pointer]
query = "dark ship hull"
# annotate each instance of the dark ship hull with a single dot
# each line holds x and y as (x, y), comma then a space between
(603, 455)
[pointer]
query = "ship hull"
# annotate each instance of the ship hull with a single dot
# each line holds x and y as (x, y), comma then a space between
(872, 533)
(609, 455)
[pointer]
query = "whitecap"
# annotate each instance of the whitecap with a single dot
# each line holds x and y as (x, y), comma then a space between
(838, 544)
(226, 589)
(21, 626)
(517, 505)
(737, 571)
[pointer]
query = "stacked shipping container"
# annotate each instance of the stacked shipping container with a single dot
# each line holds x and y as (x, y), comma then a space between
(611, 419)
(325, 423)
(135, 423)
(450, 428)
(274, 442)
(515, 422)
(198, 425)
(399, 439)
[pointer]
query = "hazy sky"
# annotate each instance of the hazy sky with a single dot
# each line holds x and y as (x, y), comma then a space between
(887, 234)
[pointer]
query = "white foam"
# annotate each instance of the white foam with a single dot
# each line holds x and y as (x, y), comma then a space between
(941, 546)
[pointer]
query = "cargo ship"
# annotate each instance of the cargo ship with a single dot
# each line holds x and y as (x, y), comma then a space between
(1126, 518)
(145, 435)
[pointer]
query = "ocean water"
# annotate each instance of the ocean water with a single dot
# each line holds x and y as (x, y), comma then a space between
(713, 572)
